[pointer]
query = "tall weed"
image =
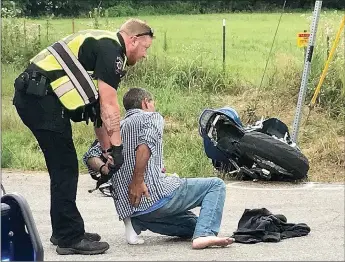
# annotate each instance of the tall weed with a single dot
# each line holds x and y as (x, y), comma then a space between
(183, 75)
(332, 93)
(20, 40)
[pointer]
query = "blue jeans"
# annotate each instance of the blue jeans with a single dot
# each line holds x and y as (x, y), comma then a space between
(175, 217)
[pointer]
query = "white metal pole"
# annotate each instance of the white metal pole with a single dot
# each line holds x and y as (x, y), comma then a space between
(306, 70)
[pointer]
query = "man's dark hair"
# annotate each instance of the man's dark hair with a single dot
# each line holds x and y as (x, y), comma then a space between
(134, 96)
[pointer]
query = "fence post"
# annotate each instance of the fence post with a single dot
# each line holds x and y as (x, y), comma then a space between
(96, 21)
(73, 29)
(47, 30)
(39, 34)
(106, 17)
(327, 40)
(24, 24)
(305, 48)
(223, 45)
(165, 42)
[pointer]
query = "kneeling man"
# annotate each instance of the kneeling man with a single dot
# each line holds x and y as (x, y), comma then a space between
(145, 197)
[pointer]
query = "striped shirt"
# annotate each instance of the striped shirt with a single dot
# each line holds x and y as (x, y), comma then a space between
(137, 128)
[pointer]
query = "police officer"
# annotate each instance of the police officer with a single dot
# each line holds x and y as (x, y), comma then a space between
(77, 79)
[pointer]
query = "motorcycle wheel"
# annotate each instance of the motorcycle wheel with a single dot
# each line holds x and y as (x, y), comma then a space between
(256, 144)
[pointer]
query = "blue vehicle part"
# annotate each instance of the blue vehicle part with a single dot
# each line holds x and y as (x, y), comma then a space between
(205, 121)
(20, 240)
(208, 115)
(212, 151)
(232, 114)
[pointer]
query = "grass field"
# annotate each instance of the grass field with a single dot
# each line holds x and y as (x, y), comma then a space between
(184, 72)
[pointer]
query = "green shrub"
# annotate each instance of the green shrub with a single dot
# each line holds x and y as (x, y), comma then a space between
(160, 8)
(178, 7)
(121, 10)
(10, 9)
(19, 43)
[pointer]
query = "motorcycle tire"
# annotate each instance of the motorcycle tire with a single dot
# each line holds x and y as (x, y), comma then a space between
(262, 145)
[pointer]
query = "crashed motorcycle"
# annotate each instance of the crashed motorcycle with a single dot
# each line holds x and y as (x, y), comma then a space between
(262, 151)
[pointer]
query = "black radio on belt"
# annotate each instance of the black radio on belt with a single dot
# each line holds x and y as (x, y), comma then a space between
(31, 83)
(21, 82)
(37, 85)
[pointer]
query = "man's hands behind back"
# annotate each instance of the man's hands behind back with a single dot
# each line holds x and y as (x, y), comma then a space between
(137, 188)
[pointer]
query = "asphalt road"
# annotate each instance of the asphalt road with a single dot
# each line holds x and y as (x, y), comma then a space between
(321, 206)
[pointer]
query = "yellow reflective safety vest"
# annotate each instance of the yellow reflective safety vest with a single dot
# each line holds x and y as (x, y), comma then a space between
(77, 88)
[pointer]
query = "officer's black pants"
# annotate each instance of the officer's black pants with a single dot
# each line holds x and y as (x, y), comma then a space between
(43, 116)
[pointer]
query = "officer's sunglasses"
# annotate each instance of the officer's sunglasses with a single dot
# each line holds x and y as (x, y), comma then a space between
(149, 33)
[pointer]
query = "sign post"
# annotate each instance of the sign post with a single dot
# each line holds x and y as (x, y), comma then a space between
(306, 70)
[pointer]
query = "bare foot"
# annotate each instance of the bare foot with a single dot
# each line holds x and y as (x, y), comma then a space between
(203, 242)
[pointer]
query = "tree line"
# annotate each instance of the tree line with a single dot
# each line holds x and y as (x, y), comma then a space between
(35, 8)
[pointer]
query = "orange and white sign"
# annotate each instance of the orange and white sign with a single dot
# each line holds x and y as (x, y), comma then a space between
(303, 39)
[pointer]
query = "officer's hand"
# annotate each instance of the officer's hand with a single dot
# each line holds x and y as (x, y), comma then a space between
(136, 190)
(117, 158)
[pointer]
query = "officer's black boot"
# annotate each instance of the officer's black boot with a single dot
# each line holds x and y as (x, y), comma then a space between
(89, 236)
(84, 247)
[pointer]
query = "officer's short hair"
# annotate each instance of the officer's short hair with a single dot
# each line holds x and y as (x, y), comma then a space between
(135, 26)
(134, 96)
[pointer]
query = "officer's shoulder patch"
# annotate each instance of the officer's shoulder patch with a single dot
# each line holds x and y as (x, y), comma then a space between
(118, 65)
